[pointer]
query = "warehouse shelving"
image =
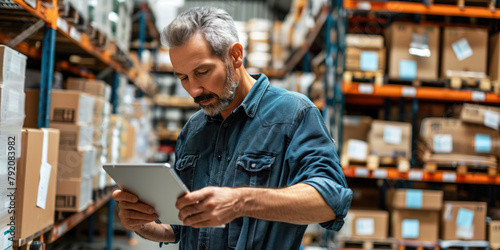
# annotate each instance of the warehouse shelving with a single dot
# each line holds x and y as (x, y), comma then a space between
(422, 8)
(421, 93)
(421, 175)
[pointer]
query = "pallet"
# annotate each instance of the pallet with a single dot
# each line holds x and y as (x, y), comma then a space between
(462, 4)
(376, 77)
(361, 243)
(417, 245)
(463, 245)
(374, 162)
(462, 164)
(460, 82)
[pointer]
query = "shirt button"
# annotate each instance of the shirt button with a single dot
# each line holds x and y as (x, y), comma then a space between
(253, 165)
(219, 157)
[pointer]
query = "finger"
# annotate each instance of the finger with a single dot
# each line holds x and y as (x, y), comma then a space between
(197, 219)
(140, 207)
(191, 198)
(134, 222)
(120, 195)
(190, 211)
(131, 214)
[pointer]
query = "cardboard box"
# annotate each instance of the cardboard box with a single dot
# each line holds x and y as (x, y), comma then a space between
(101, 107)
(465, 51)
(463, 221)
(494, 233)
(76, 137)
(89, 86)
(406, 66)
(418, 225)
(391, 139)
(356, 127)
(366, 224)
(76, 164)
(480, 114)
(417, 199)
(448, 135)
(12, 67)
(364, 41)
(358, 59)
(31, 108)
(355, 150)
(73, 195)
(494, 60)
(71, 107)
(31, 218)
(11, 104)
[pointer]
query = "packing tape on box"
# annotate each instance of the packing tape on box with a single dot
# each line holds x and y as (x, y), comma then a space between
(45, 170)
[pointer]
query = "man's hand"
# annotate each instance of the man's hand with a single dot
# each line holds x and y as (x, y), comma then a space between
(209, 207)
(133, 214)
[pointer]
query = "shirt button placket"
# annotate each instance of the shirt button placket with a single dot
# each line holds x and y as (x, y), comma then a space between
(203, 246)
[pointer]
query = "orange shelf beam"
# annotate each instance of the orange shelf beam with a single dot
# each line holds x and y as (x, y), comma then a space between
(421, 175)
(424, 93)
(421, 8)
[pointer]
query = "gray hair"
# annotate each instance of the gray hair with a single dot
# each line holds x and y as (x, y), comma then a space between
(216, 25)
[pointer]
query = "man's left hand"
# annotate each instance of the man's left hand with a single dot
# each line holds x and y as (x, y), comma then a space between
(209, 207)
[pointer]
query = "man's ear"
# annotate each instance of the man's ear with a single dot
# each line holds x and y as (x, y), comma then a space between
(236, 54)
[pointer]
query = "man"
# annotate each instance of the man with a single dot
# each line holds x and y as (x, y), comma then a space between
(257, 159)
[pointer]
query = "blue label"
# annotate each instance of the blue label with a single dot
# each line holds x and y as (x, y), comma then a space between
(414, 199)
(368, 61)
(482, 143)
(407, 69)
(465, 217)
(410, 229)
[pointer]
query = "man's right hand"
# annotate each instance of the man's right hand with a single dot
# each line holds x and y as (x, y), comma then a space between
(133, 214)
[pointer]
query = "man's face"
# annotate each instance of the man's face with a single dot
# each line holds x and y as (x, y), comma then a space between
(203, 75)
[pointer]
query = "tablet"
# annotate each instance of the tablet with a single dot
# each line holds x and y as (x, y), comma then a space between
(156, 184)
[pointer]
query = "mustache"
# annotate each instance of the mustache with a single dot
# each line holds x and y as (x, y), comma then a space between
(201, 98)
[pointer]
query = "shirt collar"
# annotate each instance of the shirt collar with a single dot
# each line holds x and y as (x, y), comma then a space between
(252, 100)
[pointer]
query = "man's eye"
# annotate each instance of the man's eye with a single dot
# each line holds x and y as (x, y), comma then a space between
(202, 72)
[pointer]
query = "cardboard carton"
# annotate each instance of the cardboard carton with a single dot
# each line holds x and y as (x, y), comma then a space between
(31, 108)
(77, 137)
(448, 135)
(12, 67)
(11, 104)
(402, 65)
(464, 51)
(417, 199)
(390, 139)
(418, 225)
(36, 184)
(71, 107)
(366, 224)
(494, 53)
(463, 221)
(89, 86)
(356, 127)
(76, 164)
(73, 195)
(480, 114)
(494, 233)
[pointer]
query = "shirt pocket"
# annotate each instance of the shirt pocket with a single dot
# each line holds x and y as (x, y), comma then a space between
(253, 169)
(185, 168)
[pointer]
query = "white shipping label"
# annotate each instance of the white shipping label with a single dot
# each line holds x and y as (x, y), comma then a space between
(393, 135)
(13, 103)
(73, 33)
(365, 226)
(361, 172)
(416, 175)
(449, 177)
(478, 96)
(364, 5)
(491, 119)
(357, 150)
(443, 143)
(62, 25)
(408, 91)
(31, 3)
(465, 233)
(462, 49)
(380, 173)
(364, 88)
(43, 185)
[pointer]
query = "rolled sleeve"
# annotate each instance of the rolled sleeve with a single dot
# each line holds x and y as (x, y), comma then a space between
(176, 229)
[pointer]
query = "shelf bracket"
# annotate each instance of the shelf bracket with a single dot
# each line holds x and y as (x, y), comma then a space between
(26, 33)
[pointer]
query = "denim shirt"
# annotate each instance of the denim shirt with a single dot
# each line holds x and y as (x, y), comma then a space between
(275, 138)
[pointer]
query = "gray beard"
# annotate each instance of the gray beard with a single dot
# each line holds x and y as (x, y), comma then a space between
(226, 97)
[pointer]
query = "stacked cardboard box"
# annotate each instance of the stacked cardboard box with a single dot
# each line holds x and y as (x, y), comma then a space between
(463, 221)
(494, 234)
(390, 139)
(366, 224)
(36, 182)
(355, 137)
(415, 214)
(465, 52)
(365, 53)
(413, 51)
(449, 135)
(72, 113)
(12, 77)
(259, 43)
